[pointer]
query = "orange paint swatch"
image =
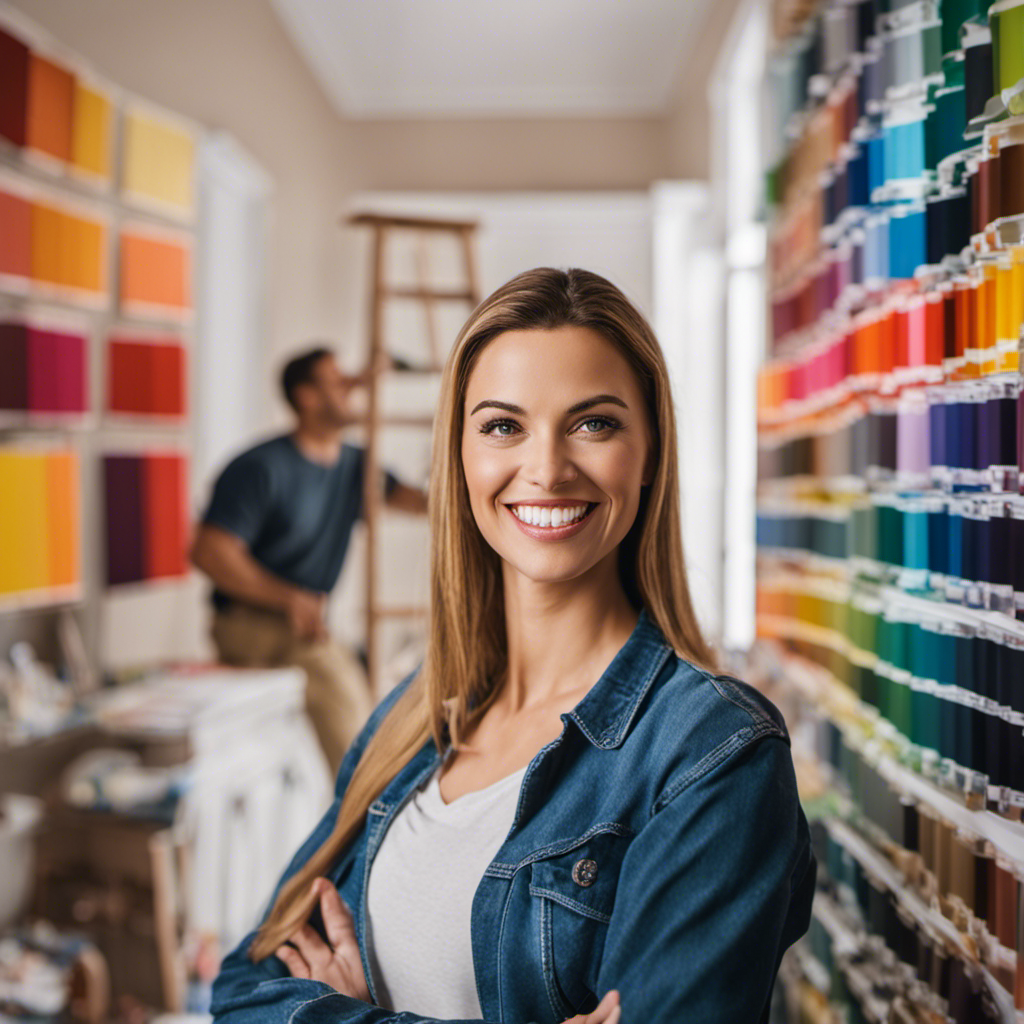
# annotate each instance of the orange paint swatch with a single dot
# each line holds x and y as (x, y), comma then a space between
(154, 272)
(51, 91)
(62, 518)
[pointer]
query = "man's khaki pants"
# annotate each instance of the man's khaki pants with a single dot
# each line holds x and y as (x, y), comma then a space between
(338, 699)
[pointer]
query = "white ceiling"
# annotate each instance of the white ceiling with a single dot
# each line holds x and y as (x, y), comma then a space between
(486, 58)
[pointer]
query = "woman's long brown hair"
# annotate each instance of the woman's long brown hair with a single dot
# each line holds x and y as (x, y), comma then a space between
(466, 643)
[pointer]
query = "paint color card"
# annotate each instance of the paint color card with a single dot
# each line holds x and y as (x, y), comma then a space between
(128, 377)
(24, 562)
(62, 517)
(157, 166)
(165, 514)
(91, 130)
(15, 235)
(14, 360)
(125, 537)
(71, 386)
(154, 274)
(167, 380)
(51, 91)
(46, 243)
(83, 241)
(43, 371)
(14, 61)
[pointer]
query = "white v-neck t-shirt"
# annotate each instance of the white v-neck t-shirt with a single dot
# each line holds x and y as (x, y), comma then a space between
(420, 895)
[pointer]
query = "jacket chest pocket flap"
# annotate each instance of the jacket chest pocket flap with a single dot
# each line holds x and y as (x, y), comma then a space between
(576, 890)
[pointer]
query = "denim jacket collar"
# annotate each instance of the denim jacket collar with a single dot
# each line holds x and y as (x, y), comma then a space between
(605, 713)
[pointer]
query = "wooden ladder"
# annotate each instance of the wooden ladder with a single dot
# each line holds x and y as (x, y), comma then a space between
(379, 363)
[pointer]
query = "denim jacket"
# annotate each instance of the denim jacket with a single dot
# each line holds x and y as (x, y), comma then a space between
(677, 788)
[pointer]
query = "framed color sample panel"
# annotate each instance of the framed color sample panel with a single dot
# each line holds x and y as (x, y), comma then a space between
(146, 517)
(68, 250)
(39, 531)
(146, 377)
(44, 369)
(155, 272)
(158, 162)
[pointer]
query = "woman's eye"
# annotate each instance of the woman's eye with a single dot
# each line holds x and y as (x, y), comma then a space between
(499, 428)
(596, 424)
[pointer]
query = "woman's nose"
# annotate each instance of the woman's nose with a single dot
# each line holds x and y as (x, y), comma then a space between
(549, 465)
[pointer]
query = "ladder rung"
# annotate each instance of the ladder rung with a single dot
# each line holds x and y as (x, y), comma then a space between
(400, 613)
(406, 421)
(426, 294)
(419, 223)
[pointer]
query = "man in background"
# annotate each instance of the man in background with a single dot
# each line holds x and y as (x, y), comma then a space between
(273, 541)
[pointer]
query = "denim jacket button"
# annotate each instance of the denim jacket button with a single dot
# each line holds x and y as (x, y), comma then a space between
(584, 872)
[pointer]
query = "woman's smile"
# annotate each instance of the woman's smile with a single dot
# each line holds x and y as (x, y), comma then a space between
(551, 520)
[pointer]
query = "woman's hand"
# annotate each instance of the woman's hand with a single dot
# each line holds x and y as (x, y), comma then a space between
(606, 1012)
(310, 957)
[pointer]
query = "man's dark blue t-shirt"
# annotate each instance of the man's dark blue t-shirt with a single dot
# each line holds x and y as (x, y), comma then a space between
(295, 515)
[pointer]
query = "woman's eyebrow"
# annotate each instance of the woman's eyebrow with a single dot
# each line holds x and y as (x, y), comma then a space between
(587, 403)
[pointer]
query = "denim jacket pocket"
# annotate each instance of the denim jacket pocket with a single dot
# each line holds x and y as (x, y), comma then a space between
(575, 890)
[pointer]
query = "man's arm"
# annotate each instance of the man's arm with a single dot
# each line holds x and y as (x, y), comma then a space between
(404, 498)
(226, 559)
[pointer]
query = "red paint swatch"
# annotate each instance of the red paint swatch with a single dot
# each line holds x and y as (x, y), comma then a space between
(163, 480)
(167, 380)
(15, 235)
(14, 360)
(14, 60)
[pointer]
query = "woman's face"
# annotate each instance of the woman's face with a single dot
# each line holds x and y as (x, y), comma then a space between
(555, 448)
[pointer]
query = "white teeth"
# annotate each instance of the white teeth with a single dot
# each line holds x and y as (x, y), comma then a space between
(549, 516)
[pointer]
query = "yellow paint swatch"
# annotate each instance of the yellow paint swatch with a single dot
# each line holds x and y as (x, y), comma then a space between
(158, 161)
(90, 132)
(24, 563)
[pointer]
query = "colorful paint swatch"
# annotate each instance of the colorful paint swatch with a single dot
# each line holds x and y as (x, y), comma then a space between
(146, 378)
(164, 509)
(14, 360)
(44, 370)
(146, 517)
(68, 250)
(91, 132)
(14, 61)
(15, 235)
(51, 91)
(123, 488)
(62, 517)
(39, 532)
(154, 274)
(158, 161)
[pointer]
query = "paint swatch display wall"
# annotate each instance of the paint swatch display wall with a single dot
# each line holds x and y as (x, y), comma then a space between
(891, 439)
(146, 516)
(39, 525)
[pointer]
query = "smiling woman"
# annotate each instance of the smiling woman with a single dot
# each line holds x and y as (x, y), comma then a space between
(566, 810)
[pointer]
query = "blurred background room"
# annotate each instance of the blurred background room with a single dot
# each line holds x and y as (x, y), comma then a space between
(820, 208)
